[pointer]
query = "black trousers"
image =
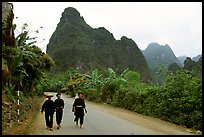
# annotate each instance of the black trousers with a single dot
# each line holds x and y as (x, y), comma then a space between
(81, 119)
(59, 113)
(49, 119)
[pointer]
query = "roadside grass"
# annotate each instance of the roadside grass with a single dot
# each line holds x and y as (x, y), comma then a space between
(27, 118)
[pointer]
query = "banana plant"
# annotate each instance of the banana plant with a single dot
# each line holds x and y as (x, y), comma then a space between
(112, 77)
(94, 79)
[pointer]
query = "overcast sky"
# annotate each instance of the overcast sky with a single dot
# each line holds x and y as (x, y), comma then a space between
(178, 24)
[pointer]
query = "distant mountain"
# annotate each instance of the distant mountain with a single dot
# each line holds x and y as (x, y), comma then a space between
(197, 58)
(182, 59)
(156, 54)
(160, 58)
(75, 44)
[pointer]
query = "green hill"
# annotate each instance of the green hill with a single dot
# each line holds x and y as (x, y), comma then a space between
(160, 54)
(75, 44)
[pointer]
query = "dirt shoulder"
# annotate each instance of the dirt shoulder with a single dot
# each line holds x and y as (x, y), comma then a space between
(28, 114)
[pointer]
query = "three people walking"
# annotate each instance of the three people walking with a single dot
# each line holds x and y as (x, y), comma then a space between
(50, 106)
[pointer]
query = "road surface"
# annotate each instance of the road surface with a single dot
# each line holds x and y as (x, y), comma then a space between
(105, 120)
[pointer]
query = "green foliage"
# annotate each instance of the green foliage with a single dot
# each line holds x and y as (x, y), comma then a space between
(95, 77)
(160, 74)
(75, 83)
(189, 64)
(173, 67)
(133, 79)
(26, 62)
(93, 86)
(195, 67)
(118, 98)
(178, 100)
(42, 85)
(10, 93)
(184, 99)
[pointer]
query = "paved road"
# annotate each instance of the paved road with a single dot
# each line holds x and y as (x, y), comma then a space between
(96, 122)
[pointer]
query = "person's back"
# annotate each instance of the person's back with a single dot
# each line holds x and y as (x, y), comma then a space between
(59, 105)
(49, 106)
(78, 107)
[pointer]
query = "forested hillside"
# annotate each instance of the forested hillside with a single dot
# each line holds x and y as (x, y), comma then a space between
(75, 44)
(158, 54)
(159, 58)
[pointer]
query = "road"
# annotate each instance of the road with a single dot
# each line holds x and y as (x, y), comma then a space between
(105, 120)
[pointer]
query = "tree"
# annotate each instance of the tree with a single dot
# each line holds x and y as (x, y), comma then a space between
(174, 67)
(26, 62)
(189, 64)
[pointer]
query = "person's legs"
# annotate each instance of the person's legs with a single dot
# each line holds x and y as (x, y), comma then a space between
(47, 120)
(76, 120)
(51, 121)
(60, 117)
(57, 117)
(81, 121)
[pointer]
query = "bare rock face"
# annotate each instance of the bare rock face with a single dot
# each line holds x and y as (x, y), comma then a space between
(7, 27)
(5, 70)
(8, 38)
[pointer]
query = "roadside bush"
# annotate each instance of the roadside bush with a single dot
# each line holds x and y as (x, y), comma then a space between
(183, 99)
(118, 98)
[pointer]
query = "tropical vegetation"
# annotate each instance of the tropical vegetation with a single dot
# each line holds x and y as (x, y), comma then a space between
(178, 99)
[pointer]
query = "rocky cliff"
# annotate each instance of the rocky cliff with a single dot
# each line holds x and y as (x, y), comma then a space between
(75, 44)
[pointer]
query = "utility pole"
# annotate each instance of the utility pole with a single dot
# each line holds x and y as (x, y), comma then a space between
(18, 112)
(18, 88)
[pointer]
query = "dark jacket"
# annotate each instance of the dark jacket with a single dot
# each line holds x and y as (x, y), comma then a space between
(79, 105)
(48, 106)
(59, 104)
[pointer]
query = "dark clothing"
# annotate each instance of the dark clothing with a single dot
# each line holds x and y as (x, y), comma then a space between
(79, 118)
(79, 106)
(49, 108)
(49, 119)
(59, 113)
(59, 105)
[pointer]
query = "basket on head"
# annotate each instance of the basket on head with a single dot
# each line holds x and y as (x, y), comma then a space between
(49, 95)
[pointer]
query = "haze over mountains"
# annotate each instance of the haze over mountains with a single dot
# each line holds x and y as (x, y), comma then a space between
(75, 44)
(160, 54)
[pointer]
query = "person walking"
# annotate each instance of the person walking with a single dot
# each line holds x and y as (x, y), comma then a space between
(59, 105)
(78, 109)
(49, 108)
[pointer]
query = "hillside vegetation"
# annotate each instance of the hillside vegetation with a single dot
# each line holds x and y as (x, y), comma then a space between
(75, 44)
